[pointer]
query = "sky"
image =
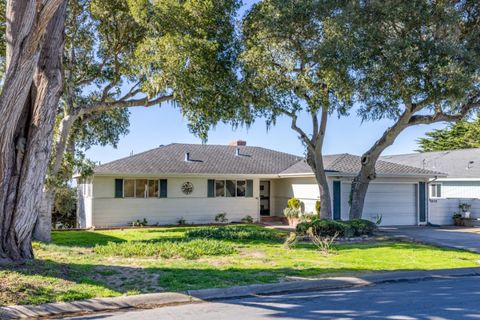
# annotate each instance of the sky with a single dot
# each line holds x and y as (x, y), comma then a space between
(155, 126)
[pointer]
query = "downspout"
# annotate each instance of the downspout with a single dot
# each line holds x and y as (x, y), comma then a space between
(427, 201)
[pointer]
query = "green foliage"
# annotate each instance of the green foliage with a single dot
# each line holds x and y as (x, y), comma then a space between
(294, 203)
(460, 135)
(350, 228)
(221, 217)
(140, 223)
(181, 221)
(247, 219)
(233, 233)
(291, 213)
(415, 56)
(318, 206)
(291, 241)
(166, 249)
(64, 210)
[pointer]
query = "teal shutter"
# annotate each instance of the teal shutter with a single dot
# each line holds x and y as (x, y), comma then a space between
(337, 200)
(163, 188)
(211, 188)
(249, 192)
(422, 195)
(118, 188)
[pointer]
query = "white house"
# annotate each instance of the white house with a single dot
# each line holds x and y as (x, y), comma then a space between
(196, 182)
(460, 185)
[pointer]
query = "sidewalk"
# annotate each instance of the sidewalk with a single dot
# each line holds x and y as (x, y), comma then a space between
(197, 296)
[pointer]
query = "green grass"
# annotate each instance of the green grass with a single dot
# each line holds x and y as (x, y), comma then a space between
(86, 264)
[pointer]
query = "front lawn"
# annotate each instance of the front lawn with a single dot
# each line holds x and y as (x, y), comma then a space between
(86, 264)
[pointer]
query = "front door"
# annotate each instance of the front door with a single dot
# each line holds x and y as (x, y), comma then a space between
(264, 198)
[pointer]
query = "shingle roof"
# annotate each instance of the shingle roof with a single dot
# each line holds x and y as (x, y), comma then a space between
(348, 164)
(463, 163)
(221, 159)
(205, 159)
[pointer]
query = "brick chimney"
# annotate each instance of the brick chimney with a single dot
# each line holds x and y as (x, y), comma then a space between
(237, 143)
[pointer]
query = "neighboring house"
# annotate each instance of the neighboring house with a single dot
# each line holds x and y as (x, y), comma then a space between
(196, 182)
(461, 185)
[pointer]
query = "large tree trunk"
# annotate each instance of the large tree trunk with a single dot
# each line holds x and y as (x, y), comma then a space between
(369, 159)
(27, 112)
(319, 171)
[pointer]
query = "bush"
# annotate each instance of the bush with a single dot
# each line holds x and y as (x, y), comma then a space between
(247, 219)
(221, 217)
(351, 228)
(233, 233)
(294, 203)
(166, 249)
(181, 221)
(64, 214)
(291, 213)
(139, 223)
(318, 206)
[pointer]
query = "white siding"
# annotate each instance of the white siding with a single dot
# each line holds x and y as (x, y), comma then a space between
(84, 204)
(441, 210)
(305, 189)
(460, 189)
(194, 208)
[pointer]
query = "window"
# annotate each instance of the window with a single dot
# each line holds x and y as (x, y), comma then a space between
(140, 188)
(230, 188)
(129, 188)
(153, 188)
(435, 190)
(241, 187)
(219, 188)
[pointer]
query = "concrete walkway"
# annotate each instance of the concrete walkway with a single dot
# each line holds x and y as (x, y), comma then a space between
(449, 237)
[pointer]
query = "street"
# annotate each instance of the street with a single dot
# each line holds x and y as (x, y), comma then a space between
(454, 298)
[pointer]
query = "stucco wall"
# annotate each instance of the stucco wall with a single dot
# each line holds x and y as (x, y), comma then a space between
(194, 208)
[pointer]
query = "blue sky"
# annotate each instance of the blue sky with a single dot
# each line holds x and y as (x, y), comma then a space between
(151, 127)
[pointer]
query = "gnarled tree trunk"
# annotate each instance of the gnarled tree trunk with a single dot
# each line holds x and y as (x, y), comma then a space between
(27, 111)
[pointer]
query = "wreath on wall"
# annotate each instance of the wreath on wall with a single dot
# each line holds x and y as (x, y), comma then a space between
(187, 188)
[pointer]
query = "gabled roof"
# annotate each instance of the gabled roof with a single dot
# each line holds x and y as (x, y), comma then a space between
(464, 163)
(205, 159)
(222, 159)
(348, 164)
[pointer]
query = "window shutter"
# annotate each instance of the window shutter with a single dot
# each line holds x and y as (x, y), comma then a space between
(249, 192)
(163, 188)
(211, 188)
(118, 188)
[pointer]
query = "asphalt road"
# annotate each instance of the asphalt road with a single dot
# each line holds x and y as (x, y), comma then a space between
(456, 298)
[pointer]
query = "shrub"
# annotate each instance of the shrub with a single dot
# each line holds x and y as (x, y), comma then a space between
(181, 221)
(324, 227)
(294, 203)
(291, 213)
(64, 214)
(221, 217)
(318, 206)
(247, 219)
(307, 217)
(139, 223)
(291, 241)
(166, 249)
(323, 243)
(233, 233)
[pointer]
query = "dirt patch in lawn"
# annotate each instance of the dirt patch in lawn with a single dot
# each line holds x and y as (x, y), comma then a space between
(126, 279)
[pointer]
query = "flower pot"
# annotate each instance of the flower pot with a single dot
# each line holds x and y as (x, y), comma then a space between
(292, 222)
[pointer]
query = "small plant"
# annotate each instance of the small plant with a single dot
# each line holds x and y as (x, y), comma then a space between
(457, 219)
(318, 207)
(139, 223)
(307, 217)
(291, 241)
(292, 215)
(247, 219)
(221, 217)
(181, 221)
(465, 207)
(378, 219)
(323, 243)
(294, 203)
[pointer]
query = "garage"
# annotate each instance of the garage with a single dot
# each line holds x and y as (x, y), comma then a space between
(396, 202)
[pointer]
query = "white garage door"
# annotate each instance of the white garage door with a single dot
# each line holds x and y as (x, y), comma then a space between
(397, 203)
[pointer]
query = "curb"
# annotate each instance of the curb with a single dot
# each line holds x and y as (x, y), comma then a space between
(152, 300)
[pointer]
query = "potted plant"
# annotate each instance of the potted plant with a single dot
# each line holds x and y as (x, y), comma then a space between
(292, 215)
(457, 219)
(465, 207)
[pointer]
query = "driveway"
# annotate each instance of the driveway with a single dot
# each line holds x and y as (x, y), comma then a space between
(450, 237)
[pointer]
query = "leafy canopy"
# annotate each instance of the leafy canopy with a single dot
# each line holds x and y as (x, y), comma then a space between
(461, 135)
(296, 57)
